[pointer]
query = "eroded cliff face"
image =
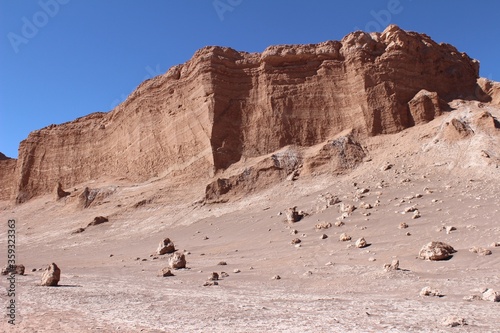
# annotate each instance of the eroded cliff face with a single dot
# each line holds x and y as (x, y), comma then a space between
(224, 106)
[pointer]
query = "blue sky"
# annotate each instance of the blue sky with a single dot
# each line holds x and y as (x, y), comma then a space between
(62, 59)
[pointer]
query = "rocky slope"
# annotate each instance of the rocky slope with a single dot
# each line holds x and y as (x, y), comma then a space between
(224, 111)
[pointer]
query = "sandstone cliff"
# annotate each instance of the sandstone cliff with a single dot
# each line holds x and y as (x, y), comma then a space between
(224, 106)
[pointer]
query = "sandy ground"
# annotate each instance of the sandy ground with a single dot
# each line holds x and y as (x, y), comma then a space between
(109, 277)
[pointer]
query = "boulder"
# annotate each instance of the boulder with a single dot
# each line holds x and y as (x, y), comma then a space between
(177, 260)
(51, 275)
(436, 251)
(165, 246)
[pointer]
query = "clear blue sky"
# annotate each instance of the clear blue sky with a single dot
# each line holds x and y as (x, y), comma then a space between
(62, 59)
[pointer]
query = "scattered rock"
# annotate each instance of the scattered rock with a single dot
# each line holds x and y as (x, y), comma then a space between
(454, 321)
(296, 241)
(403, 225)
(276, 277)
(362, 191)
(372, 259)
(436, 251)
(386, 166)
(480, 251)
(224, 275)
(449, 229)
(78, 231)
(360, 243)
(344, 237)
(98, 220)
(323, 236)
(177, 260)
(164, 272)
(410, 209)
(222, 263)
(323, 225)
(365, 205)
(491, 296)
(33, 269)
(394, 266)
(51, 276)
(496, 244)
(347, 209)
(428, 291)
(471, 298)
(165, 246)
(13, 269)
(213, 277)
(294, 232)
(292, 215)
(236, 270)
(339, 223)
(210, 283)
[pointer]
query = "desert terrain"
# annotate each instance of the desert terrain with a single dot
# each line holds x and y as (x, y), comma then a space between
(398, 184)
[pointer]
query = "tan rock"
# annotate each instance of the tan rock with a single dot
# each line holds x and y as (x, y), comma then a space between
(394, 266)
(214, 276)
(13, 269)
(177, 260)
(480, 251)
(98, 220)
(51, 276)
(344, 237)
(165, 246)
(360, 243)
(292, 215)
(436, 251)
(491, 295)
(403, 225)
(454, 321)
(296, 241)
(323, 225)
(164, 272)
(428, 291)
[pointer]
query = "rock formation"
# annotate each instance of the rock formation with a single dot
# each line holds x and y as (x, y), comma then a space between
(199, 119)
(51, 275)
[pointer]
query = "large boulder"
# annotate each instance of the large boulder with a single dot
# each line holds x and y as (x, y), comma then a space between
(51, 276)
(436, 251)
(165, 246)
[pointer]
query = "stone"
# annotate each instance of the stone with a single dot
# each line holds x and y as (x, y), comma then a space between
(51, 276)
(177, 260)
(339, 223)
(98, 220)
(296, 241)
(213, 277)
(164, 272)
(13, 269)
(416, 215)
(425, 106)
(403, 225)
(224, 275)
(495, 244)
(78, 231)
(360, 243)
(449, 229)
(480, 251)
(323, 236)
(292, 215)
(222, 263)
(454, 321)
(210, 283)
(344, 237)
(294, 232)
(428, 291)
(436, 251)
(276, 277)
(236, 270)
(394, 266)
(491, 296)
(323, 225)
(165, 246)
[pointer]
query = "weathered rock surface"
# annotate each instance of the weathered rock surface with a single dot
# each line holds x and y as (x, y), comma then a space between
(51, 276)
(59, 192)
(201, 118)
(436, 251)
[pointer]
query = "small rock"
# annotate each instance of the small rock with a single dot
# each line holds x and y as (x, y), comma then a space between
(454, 321)
(164, 272)
(436, 251)
(324, 236)
(308, 273)
(210, 283)
(471, 298)
(480, 251)
(78, 231)
(98, 220)
(339, 223)
(276, 277)
(386, 166)
(491, 295)
(177, 260)
(323, 225)
(205, 238)
(222, 263)
(293, 232)
(428, 291)
(329, 263)
(33, 269)
(224, 275)
(296, 241)
(236, 270)
(360, 243)
(372, 259)
(13, 269)
(292, 215)
(449, 229)
(416, 215)
(403, 225)
(496, 244)
(213, 277)
(165, 246)
(394, 266)
(51, 276)
(344, 237)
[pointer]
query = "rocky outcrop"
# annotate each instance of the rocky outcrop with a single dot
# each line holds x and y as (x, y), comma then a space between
(223, 107)
(7, 177)
(425, 106)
